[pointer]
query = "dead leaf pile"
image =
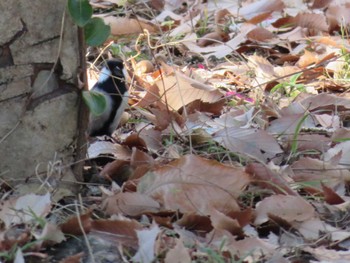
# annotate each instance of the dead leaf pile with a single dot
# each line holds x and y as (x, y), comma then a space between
(236, 146)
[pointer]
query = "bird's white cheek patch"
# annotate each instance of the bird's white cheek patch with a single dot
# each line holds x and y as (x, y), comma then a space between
(104, 75)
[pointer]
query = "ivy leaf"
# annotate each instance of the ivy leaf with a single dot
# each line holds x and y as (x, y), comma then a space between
(96, 102)
(96, 32)
(80, 11)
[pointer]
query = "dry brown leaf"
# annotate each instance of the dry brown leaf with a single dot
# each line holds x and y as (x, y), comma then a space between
(178, 254)
(212, 38)
(316, 171)
(105, 148)
(128, 26)
(257, 144)
(139, 158)
(289, 208)
(259, 7)
(310, 21)
(341, 133)
(118, 171)
(324, 254)
(223, 222)
(152, 138)
(331, 197)
(123, 230)
(143, 67)
(177, 90)
(77, 258)
(311, 142)
(307, 59)
(338, 16)
(51, 234)
(260, 34)
(72, 225)
(194, 184)
(287, 124)
(259, 18)
(266, 178)
(320, 4)
(313, 228)
(130, 204)
(17, 210)
(219, 51)
(343, 149)
(134, 141)
(196, 223)
(199, 106)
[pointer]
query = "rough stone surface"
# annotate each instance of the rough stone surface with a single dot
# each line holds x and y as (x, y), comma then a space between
(39, 103)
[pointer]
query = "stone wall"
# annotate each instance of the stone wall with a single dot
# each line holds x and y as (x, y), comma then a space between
(39, 100)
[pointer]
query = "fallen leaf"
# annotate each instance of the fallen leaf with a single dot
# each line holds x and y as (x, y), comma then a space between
(256, 144)
(72, 225)
(195, 184)
(267, 178)
(178, 254)
(128, 26)
(24, 209)
(147, 239)
(289, 208)
(131, 204)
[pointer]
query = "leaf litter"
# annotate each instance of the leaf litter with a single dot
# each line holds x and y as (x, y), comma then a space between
(235, 147)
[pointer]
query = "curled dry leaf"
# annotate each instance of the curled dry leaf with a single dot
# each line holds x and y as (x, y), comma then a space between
(289, 208)
(131, 204)
(51, 234)
(317, 171)
(313, 228)
(118, 171)
(224, 222)
(25, 208)
(267, 178)
(195, 184)
(152, 138)
(257, 144)
(72, 226)
(178, 254)
(127, 26)
(144, 66)
(331, 197)
(147, 239)
(260, 34)
(325, 101)
(310, 21)
(196, 223)
(212, 38)
(103, 147)
(77, 258)
(122, 229)
(259, 7)
(177, 90)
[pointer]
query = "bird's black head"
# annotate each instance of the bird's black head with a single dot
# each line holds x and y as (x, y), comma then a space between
(112, 77)
(116, 67)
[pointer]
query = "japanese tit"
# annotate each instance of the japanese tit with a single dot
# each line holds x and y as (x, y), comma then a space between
(111, 83)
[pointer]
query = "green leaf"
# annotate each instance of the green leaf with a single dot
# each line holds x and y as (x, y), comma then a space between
(294, 78)
(96, 102)
(80, 11)
(277, 87)
(96, 32)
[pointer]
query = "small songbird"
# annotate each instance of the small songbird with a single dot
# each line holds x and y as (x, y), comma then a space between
(111, 83)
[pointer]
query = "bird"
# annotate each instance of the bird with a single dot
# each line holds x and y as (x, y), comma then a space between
(111, 83)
